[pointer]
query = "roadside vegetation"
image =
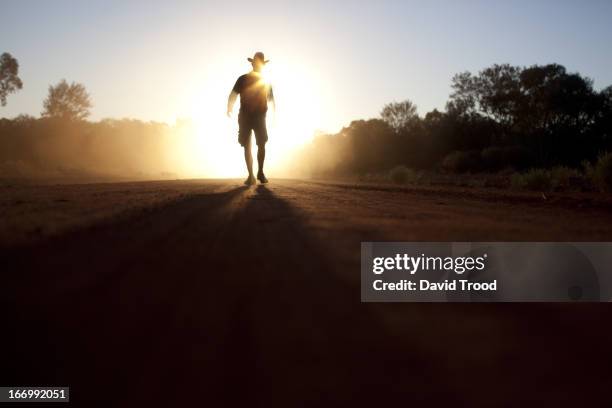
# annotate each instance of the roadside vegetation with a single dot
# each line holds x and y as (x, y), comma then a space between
(535, 128)
(590, 177)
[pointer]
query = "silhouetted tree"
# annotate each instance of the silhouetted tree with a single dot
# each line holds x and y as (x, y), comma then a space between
(607, 94)
(559, 112)
(552, 98)
(370, 144)
(545, 108)
(503, 117)
(603, 126)
(495, 93)
(9, 79)
(67, 101)
(400, 115)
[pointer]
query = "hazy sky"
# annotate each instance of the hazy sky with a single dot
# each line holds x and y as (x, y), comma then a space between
(149, 59)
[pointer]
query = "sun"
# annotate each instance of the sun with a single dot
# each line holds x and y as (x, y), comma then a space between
(214, 147)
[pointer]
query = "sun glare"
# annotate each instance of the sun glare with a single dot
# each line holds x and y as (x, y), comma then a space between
(213, 149)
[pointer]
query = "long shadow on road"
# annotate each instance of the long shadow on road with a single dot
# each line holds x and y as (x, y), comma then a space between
(221, 299)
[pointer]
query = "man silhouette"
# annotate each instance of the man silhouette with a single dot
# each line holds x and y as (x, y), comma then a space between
(255, 93)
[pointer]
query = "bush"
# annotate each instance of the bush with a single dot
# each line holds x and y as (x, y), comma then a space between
(534, 179)
(564, 178)
(518, 157)
(402, 175)
(493, 158)
(496, 158)
(557, 178)
(462, 161)
(601, 174)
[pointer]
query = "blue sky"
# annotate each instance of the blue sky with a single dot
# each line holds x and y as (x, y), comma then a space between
(146, 59)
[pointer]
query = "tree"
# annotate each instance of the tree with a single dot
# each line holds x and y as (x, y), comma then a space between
(462, 101)
(400, 115)
(603, 126)
(67, 101)
(607, 94)
(495, 92)
(9, 79)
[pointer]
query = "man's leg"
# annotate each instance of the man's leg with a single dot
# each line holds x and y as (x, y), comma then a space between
(244, 138)
(248, 157)
(261, 157)
(261, 135)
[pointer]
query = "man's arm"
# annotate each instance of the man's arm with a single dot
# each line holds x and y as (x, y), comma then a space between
(231, 100)
(271, 99)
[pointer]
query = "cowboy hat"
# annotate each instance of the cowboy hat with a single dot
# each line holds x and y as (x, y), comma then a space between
(259, 56)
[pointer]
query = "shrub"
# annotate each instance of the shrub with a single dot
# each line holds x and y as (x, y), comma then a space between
(564, 178)
(601, 173)
(493, 158)
(496, 158)
(462, 161)
(534, 179)
(402, 175)
(518, 157)
(557, 178)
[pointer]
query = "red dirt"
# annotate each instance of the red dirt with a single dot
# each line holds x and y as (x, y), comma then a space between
(174, 293)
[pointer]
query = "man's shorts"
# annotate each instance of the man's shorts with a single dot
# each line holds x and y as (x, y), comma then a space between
(255, 122)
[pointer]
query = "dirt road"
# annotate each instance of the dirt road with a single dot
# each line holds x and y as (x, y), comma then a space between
(215, 294)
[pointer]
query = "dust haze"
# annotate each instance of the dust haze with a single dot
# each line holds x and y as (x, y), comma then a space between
(58, 151)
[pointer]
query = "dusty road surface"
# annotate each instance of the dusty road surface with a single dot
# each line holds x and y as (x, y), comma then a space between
(208, 293)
